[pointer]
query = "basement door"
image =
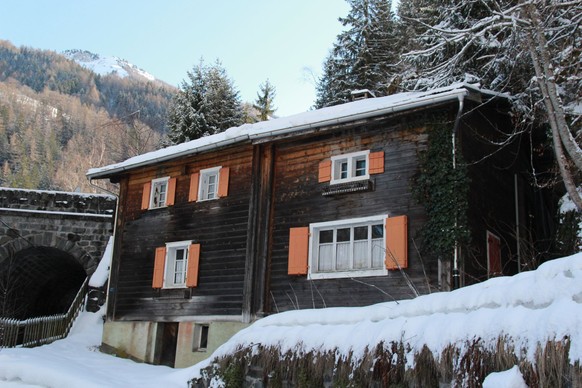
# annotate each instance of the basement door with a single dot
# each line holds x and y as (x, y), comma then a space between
(166, 347)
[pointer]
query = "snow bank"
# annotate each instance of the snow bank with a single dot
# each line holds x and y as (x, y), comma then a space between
(528, 308)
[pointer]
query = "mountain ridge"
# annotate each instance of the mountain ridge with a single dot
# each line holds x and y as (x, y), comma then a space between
(108, 65)
(59, 118)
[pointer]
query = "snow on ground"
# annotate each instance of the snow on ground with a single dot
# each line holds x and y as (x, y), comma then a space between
(530, 307)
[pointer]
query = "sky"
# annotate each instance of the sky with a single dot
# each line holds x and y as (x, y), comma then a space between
(526, 310)
(255, 40)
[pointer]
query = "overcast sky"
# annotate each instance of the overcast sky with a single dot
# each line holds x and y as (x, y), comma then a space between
(284, 41)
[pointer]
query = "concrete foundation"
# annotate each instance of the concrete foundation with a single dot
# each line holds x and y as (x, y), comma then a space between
(139, 340)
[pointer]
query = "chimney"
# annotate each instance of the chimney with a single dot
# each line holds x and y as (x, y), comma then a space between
(362, 94)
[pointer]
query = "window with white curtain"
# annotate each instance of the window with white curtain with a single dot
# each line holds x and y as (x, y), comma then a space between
(348, 248)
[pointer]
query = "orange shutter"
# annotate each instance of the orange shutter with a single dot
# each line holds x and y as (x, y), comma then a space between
(298, 251)
(159, 265)
(324, 171)
(171, 195)
(396, 242)
(377, 162)
(194, 182)
(193, 265)
(223, 182)
(145, 196)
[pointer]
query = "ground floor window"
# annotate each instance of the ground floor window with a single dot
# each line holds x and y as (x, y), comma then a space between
(200, 337)
(176, 264)
(348, 248)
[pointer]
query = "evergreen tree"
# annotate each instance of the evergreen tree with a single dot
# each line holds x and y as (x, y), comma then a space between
(205, 105)
(264, 102)
(365, 56)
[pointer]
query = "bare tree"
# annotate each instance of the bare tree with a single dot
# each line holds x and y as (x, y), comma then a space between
(528, 48)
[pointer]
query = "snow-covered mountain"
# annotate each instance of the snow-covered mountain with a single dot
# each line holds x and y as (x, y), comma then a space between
(107, 65)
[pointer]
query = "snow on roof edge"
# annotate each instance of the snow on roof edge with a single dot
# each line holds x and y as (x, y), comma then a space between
(74, 193)
(295, 123)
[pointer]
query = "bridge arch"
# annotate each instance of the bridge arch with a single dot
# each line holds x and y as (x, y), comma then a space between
(40, 275)
(49, 243)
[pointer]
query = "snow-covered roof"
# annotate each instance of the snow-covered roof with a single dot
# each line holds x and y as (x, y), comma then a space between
(298, 123)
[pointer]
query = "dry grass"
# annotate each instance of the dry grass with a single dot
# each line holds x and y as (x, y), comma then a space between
(460, 365)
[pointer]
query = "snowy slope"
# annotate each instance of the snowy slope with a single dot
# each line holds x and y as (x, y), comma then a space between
(107, 65)
(529, 308)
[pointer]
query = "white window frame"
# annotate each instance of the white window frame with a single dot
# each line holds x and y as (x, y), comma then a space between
(203, 187)
(170, 269)
(159, 182)
(350, 159)
(314, 230)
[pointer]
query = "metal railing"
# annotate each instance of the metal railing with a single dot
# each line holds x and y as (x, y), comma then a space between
(38, 331)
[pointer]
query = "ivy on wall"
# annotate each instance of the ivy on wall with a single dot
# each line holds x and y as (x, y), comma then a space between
(443, 191)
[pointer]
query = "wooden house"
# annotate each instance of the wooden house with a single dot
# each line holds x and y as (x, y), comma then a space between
(308, 211)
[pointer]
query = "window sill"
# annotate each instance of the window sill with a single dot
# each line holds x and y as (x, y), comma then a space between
(348, 187)
(348, 274)
(156, 208)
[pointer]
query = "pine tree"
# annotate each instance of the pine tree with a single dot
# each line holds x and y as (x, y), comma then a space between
(365, 56)
(205, 105)
(264, 101)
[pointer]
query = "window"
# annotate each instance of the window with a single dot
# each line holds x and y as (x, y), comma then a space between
(368, 246)
(209, 184)
(200, 337)
(158, 193)
(176, 265)
(350, 167)
(348, 248)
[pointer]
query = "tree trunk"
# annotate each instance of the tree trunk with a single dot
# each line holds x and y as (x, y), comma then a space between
(546, 80)
(561, 135)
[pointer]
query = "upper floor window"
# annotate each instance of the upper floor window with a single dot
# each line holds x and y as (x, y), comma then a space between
(159, 192)
(209, 184)
(350, 167)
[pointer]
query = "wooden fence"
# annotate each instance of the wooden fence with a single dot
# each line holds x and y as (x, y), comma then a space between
(38, 331)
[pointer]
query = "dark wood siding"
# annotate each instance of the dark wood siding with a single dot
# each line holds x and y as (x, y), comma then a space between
(492, 171)
(219, 226)
(298, 201)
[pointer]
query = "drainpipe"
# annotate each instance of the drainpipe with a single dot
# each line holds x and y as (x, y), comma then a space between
(456, 272)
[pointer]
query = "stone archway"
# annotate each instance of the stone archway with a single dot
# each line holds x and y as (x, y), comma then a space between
(38, 280)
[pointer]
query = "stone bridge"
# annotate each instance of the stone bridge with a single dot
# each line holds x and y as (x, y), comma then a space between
(49, 243)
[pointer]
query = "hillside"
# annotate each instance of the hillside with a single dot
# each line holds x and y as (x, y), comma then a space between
(58, 118)
(529, 325)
